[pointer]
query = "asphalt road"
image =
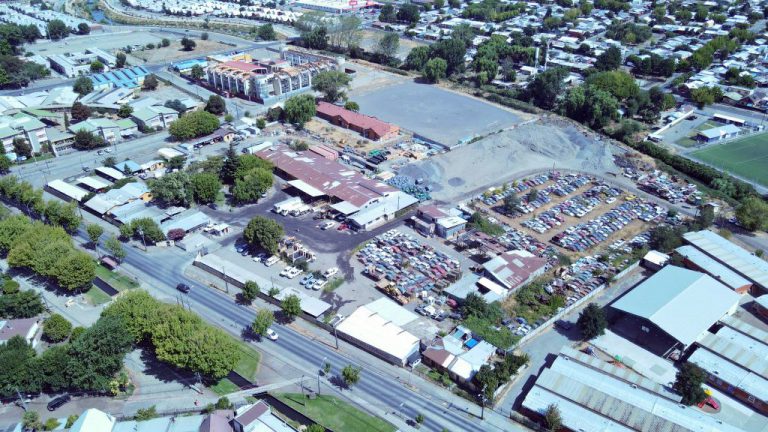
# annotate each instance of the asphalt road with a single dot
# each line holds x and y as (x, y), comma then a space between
(376, 388)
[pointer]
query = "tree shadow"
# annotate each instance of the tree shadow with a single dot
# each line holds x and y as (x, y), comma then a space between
(339, 382)
(282, 318)
(162, 371)
(242, 301)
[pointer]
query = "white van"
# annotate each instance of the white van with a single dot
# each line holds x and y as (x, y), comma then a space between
(269, 262)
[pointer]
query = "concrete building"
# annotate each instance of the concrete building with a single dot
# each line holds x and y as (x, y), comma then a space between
(732, 256)
(673, 308)
(593, 395)
(734, 358)
(22, 126)
(380, 336)
(269, 81)
(514, 268)
(72, 65)
(154, 117)
(367, 126)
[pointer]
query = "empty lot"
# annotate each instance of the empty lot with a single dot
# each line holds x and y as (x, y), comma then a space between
(433, 112)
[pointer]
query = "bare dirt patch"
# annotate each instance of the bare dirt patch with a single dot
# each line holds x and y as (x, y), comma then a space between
(175, 52)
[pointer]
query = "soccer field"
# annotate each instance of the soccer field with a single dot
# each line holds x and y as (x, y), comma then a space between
(747, 157)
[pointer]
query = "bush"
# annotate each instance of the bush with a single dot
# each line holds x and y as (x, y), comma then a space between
(10, 286)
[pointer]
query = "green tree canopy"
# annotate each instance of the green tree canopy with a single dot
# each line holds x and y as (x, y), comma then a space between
(57, 29)
(351, 375)
(435, 69)
(56, 328)
(216, 105)
(752, 214)
(94, 233)
(688, 383)
(592, 321)
(264, 319)
(250, 291)
(175, 189)
(205, 187)
(332, 84)
(546, 87)
(193, 125)
(82, 86)
(291, 306)
(300, 109)
(265, 233)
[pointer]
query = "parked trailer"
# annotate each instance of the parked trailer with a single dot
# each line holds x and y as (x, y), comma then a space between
(257, 147)
(287, 205)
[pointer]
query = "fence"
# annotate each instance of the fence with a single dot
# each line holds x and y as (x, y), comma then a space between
(533, 333)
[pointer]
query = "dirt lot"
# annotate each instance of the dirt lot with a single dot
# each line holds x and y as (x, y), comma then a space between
(335, 136)
(544, 144)
(174, 52)
(371, 38)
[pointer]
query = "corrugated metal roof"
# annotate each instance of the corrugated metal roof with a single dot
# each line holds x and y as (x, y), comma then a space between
(735, 257)
(681, 302)
(713, 267)
(574, 416)
(730, 373)
(747, 329)
(739, 349)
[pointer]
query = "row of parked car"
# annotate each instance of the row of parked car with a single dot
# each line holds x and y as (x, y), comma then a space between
(577, 206)
(563, 186)
(312, 281)
(517, 188)
(588, 234)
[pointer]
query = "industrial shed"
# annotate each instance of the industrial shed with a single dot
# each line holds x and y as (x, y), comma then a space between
(66, 191)
(731, 255)
(372, 332)
(673, 308)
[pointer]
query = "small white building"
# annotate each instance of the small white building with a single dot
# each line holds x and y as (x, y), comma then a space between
(378, 335)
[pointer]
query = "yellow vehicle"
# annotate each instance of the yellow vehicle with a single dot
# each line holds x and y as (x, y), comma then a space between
(630, 197)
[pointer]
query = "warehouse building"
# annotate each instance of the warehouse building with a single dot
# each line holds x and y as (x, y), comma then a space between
(736, 361)
(672, 309)
(65, 191)
(154, 117)
(697, 260)
(367, 126)
(378, 332)
(593, 395)
(718, 133)
(732, 256)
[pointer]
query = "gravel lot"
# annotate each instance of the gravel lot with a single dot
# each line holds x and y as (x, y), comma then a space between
(470, 169)
(436, 113)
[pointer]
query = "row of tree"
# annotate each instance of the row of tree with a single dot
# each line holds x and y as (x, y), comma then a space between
(181, 188)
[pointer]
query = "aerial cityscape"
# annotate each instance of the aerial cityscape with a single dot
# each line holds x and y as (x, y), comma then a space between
(346, 215)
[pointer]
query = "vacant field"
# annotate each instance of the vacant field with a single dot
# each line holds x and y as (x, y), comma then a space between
(747, 157)
(334, 414)
(435, 113)
(370, 39)
(175, 52)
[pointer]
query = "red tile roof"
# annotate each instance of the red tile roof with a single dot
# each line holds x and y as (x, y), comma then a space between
(361, 121)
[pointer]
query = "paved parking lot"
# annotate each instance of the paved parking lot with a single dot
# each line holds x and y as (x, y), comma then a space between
(433, 112)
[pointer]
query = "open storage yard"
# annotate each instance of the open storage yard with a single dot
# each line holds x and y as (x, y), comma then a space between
(746, 157)
(437, 114)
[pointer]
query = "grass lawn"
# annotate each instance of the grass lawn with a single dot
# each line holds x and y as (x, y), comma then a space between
(335, 414)
(96, 296)
(690, 140)
(747, 157)
(224, 387)
(249, 362)
(118, 281)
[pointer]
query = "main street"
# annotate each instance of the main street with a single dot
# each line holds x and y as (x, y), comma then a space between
(379, 390)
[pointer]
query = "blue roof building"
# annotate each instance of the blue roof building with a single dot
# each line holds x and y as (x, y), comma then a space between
(128, 78)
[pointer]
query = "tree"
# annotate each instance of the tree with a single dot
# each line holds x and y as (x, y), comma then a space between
(188, 44)
(75, 271)
(408, 13)
(97, 355)
(204, 36)
(197, 73)
(688, 383)
(451, 50)
(125, 111)
(511, 202)
(351, 375)
(174, 189)
(314, 427)
(24, 304)
(56, 328)
(21, 147)
(216, 105)
(552, 418)
(266, 33)
(435, 69)
(82, 86)
(610, 59)
(57, 29)
(120, 60)
(115, 248)
(150, 229)
(5, 164)
(473, 304)
(94, 233)
(332, 84)
(665, 238)
(388, 14)
(752, 214)
(250, 291)
(617, 82)
(83, 28)
(205, 187)
(706, 217)
(300, 109)
(592, 321)
(419, 419)
(417, 58)
(85, 140)
(97, 66)
(150, 82)
(546, 87)
(264, 319)
(352, 106)
(249, 188)
(388, 45)
(262, 232)
(31, 421)
(165, 42)
(80, 112)
(176, 163)
(138, 310)
(291, 306)
(706, 95)
(194, 125)
(317, 38)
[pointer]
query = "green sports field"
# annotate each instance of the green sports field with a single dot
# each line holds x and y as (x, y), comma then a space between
(747, 157)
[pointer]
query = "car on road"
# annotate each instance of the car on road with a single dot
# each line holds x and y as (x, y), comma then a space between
(58, 402)
(319, 284)
(286, 270)
(269, 262)
(271, 334)
(330, 272)
(183, 288)
(293, 273)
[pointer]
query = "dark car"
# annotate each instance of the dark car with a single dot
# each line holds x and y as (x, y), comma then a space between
(183, 288)
(58, 402)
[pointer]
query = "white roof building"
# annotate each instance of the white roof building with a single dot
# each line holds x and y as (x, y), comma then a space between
(66, 190)
(731, 255)
(374, 333)
(681, 302)
(93, 420)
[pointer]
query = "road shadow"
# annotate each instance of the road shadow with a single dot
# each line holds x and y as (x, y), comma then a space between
(282, 318)
(248, 335)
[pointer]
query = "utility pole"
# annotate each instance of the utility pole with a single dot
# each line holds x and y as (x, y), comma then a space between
(322, 368)
(482, 402)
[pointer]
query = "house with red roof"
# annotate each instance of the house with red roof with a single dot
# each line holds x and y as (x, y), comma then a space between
(369, 127)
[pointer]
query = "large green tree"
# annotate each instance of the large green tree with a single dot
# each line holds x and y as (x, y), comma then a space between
(291, 306)
(205, 187)
(174, 189)
(193, 125)
(56, 328)
(265, 233)
(94, 233)
(752, 214)
(435, 69)
(251, 186)
(592, 321)
(216, 105)
(97, 355)
(332, 84)
(688, 383)
(83, 86)
(351, 375)
(546, 87)
(138, 310)
(264, 319)
(57, 29)
(300, 109)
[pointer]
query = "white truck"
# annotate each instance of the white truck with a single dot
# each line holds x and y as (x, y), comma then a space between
(258, 147)
(285, 206)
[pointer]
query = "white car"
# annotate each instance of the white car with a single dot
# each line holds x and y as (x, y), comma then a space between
(269, 262)
(293, 273)
(319, 284)
(327, 225)
(271, 334)
(330, 272)
(286, 271)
